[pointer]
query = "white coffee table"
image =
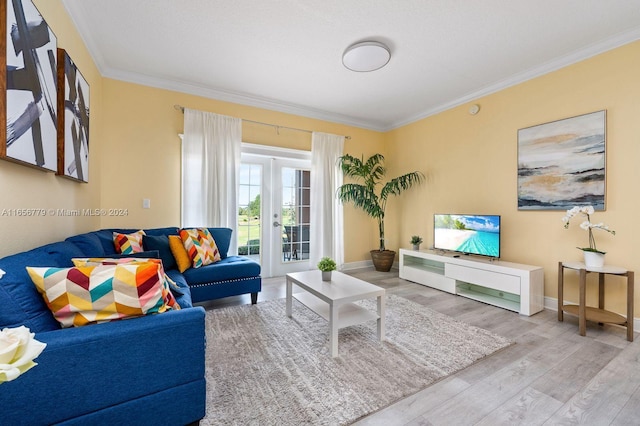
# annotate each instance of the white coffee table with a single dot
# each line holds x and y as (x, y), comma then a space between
(333, 299)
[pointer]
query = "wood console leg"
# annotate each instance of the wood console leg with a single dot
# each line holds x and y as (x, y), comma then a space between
(582, 306)
(630, 306)
(600, 292)
(560, 291)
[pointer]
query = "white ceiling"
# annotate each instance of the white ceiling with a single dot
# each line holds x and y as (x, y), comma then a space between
(286, 55)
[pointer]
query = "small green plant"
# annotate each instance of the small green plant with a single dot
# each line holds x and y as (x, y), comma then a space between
(326, 264)
(416, 239)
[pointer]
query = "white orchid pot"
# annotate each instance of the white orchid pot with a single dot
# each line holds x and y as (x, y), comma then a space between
(593, 259)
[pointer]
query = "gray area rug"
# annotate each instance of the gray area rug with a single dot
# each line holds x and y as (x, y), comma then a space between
(264, 368)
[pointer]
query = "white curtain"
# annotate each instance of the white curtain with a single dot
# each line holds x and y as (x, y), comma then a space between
(210, 164)
(326, 232)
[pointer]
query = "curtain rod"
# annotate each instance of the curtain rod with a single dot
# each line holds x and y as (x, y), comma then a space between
(181, 108)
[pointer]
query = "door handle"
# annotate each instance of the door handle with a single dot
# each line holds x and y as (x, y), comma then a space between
(276, 224)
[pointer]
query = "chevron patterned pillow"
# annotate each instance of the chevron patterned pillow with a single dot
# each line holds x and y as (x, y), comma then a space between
(169, 284)
(200, 245)
(94, 294)
(128, 243)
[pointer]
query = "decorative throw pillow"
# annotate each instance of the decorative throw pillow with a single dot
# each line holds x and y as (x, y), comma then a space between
(170, 287)
(179, 253)
(128, 243)
(161, 244)
(94, 294)
(200, 245)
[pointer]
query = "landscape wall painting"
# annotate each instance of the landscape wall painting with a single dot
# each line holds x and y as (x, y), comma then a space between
(562, 164)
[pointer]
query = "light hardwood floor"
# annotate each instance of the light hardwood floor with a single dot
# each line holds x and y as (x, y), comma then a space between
(551, 376)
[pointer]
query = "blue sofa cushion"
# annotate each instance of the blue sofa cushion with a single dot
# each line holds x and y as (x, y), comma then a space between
(149, 254)
(170, 230)
(161, 244)
(183, 300)
(222, 237)
(100, 243)
(95, 244)
(20, 302)
(230, 268)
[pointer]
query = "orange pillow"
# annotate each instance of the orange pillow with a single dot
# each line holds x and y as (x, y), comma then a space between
(180, 253)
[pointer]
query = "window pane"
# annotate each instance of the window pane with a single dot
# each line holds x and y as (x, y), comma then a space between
(249, 186)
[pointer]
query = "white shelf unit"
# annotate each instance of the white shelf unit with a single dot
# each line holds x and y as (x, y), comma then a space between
(348, 314)
(511, 286)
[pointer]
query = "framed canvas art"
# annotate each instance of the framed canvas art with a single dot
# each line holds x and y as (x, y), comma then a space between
(29, 110)
(562, 164)
(73, 120)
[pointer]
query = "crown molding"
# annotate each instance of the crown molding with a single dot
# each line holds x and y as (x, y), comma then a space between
(554, 65)
(602, 46)
(207, 92)
(84, 31)
(239, 98)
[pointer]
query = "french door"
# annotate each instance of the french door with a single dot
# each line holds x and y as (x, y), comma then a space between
(274, 211)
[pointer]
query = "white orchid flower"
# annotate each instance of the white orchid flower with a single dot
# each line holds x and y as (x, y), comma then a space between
(586, 225)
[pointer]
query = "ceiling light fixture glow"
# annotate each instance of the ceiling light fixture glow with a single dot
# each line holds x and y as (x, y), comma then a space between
(366, 56)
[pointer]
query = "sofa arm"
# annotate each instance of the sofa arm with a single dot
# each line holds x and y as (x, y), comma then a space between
(98, 367)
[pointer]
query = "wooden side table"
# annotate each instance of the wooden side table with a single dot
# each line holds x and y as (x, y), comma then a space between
(599, 314)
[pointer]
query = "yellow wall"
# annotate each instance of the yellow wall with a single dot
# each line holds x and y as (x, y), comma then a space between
(471, 162)
(25, 188)
(141, 158)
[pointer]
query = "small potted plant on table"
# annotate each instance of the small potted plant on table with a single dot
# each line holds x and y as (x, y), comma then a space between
(326, 265)
(416, 240)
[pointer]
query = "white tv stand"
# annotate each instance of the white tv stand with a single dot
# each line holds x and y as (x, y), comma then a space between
(507, 285)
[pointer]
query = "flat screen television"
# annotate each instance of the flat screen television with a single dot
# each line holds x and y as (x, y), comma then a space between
(468, 234)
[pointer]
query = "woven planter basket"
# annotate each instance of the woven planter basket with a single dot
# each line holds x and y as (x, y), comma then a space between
(383, 260)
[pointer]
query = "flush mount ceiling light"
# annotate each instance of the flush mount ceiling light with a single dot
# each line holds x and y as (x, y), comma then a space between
(366, 56)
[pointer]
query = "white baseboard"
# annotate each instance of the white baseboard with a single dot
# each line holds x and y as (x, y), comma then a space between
(551, 303)
(357, 265)
(364, 264)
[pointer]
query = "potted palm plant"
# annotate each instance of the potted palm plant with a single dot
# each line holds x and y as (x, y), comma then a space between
(363, 194)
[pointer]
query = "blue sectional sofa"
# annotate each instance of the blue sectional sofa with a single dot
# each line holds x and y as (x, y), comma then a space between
(232, 276)
(143, 371)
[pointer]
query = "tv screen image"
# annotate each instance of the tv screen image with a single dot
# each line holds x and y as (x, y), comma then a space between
(469, 234)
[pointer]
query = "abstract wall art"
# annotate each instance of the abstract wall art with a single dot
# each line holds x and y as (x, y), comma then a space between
(561, 164)
(29, 85)
(73, 120)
